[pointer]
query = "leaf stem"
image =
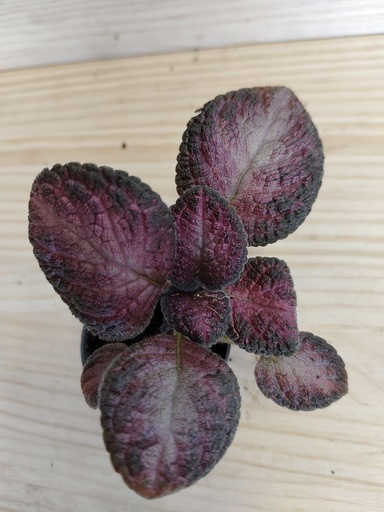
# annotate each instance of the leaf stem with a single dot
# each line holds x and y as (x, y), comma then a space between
(225, 339)
(178, 350)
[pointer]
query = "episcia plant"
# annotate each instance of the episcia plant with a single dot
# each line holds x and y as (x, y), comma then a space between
(161, 286)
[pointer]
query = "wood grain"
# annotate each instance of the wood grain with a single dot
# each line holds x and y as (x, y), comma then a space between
(130, 114)
(46, 32)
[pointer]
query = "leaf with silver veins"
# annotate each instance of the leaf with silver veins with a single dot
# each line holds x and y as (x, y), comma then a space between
(94, 369)
(259, 149)
(211, 244)
(312, 378)
(202, 316)
(263, 308)
(169, 412)
(105, 242)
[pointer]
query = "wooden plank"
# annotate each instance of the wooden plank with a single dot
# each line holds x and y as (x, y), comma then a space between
(130, 114)
(42, 32)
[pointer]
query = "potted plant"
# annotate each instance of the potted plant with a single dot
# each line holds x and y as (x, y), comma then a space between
(160, 286)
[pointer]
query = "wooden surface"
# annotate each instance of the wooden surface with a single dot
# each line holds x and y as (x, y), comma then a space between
(42, 32)
(130, 114)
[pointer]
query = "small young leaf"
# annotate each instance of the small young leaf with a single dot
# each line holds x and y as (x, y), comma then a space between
(202, 316)
(94, 369)
(263, 303)
(312, 378)
(259, 149)
(211, 244)
(105, 242)
(169, 412)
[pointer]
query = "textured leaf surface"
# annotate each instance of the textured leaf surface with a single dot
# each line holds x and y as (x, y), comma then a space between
(202, 316)
(263, 303)
(260, 150)
(167, 420)
(94, 369)
(312, 378)
(211, 244)
(105, 241)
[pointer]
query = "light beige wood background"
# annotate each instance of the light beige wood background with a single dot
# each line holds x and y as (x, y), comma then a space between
(51, 451)
(42, 32)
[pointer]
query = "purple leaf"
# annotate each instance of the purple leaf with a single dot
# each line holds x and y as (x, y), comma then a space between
(202, 316)
(312, 378)
(94, 369)
(168, 415)
(260, 150)
(263, 303)
(105, 242)
(211, 243)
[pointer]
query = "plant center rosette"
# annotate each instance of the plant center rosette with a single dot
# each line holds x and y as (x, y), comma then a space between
(248, 172)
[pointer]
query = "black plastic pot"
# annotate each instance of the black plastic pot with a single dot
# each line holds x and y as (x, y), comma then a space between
(90, 343)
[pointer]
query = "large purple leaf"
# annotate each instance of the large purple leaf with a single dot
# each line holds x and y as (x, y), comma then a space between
(94, 369)
(260, 150)
(202, 316)
(105, 241)
(211, 244)
(263, 303)
(169, 411)
(312, 378)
